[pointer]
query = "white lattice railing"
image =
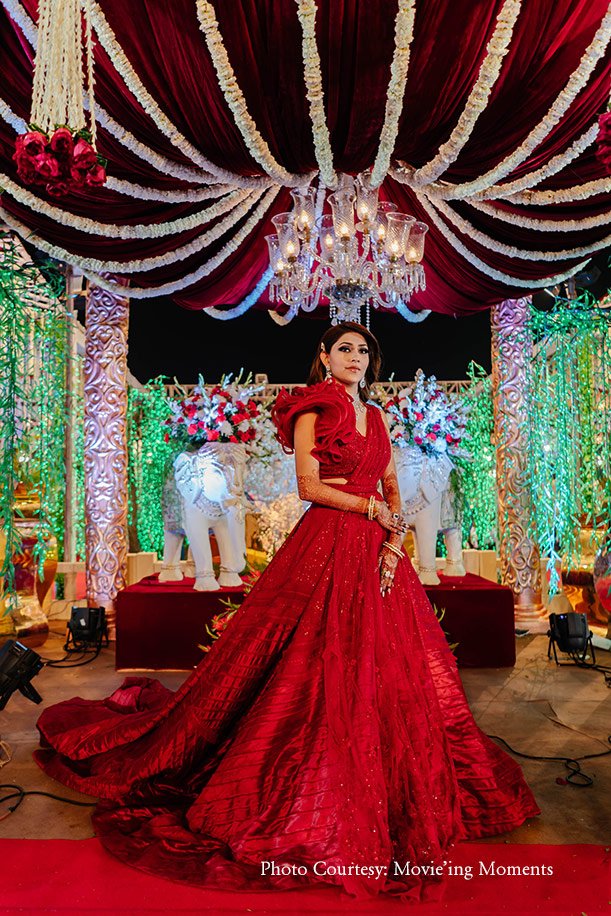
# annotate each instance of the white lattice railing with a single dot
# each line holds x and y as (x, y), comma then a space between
(270, 391)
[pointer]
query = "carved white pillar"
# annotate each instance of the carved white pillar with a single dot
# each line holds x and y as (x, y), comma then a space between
(511, 353)
(106, 445)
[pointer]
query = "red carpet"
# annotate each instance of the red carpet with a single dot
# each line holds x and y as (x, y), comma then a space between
(40, 876)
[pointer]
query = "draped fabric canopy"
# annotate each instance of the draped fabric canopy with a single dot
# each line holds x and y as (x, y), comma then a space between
(495, 146)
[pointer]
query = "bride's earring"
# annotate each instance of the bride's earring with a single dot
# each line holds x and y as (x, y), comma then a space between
(328, 375)
(362, 382)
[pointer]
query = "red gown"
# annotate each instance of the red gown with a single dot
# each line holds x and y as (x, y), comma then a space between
(328, 724)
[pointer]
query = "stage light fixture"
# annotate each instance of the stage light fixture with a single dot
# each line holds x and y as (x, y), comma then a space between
(87, 628)
(18, 665)
(571, 634)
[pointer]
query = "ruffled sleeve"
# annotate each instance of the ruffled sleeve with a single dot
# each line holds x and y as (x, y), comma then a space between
(335, 423)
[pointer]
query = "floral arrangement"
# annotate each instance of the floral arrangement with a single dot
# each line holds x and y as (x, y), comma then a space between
(427, 419)
(63, 161)
(219, 622)
(225, 413)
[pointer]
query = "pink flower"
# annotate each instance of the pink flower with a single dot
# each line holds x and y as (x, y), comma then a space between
(418, 440)
(47, 165)
(192, 428)
(84, 156)
(233, 438)
(57, 188)
(62, 143)
(78, 177)
(166, 437)
(213, 435)
(31, 144)
(449, 438)
(28, 173)
(431, 436)
(419, 416)
(96, 176)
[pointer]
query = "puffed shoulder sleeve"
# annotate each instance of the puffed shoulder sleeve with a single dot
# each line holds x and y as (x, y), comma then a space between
(335, 426)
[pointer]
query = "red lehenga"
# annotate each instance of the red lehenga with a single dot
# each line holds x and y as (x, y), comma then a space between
(328, 724)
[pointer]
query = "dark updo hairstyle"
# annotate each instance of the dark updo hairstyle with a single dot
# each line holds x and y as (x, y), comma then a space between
(330, 338)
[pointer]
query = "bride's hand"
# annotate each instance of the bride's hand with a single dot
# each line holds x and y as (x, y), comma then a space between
(392, 521)
(388, 566)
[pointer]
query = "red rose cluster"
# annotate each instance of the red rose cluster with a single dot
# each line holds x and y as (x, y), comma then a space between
(62, 162)
(603, 140)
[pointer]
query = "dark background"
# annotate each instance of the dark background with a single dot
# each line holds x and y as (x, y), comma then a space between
(165, 339)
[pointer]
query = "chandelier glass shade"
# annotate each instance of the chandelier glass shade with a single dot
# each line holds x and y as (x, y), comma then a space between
(363, 252)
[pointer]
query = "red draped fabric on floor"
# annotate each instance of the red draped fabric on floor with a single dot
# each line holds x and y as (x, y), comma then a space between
(167, 51)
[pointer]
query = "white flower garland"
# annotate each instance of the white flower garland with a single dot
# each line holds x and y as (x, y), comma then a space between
(204, 270)
(541, 225)
(446, 190)
(91, 266)
(189, 196)
(234, 97)
(564, 195)
(487, 269)
(109, 230)
(306, 13)
(509, 250)
(577, 81)
(8, 115)
(490, 69)
(134, 84)
(246, 303)
(404, 34)
(145, 264)
(552, 167)
(120, 133)
(163, 165)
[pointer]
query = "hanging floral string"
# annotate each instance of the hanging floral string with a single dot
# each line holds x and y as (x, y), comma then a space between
(32, 400)
(58, 151)
(569, 463)
(149, 460)
(476, 480)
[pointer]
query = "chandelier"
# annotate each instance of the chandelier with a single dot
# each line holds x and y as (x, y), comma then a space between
(364, 252)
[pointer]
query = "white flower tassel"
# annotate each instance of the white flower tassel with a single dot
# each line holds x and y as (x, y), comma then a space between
(57, 95)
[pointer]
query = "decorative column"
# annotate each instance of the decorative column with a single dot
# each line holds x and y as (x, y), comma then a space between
(106, 445)
(511, 354)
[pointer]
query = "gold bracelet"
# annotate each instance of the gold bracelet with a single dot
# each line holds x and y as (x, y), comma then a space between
(370, 508)
(394, 549)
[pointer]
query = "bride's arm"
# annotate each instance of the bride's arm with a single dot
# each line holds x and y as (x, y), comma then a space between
(390, 489)
(307, 469)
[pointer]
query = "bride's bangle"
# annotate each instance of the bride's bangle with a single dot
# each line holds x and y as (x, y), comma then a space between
(394, 549)
(372, 508)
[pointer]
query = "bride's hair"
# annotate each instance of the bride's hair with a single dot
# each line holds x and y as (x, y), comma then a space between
(330, 337)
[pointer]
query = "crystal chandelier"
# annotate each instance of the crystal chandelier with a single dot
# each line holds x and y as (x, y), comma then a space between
(376, 260)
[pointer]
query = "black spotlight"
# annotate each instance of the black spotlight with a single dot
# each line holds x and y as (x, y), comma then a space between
(570, 632)
(18, 665)
(87, 628)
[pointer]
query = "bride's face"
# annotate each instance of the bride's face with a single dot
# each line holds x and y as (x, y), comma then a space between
(348, 358)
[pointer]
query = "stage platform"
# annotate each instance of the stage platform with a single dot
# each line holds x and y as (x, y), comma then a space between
(161, 625)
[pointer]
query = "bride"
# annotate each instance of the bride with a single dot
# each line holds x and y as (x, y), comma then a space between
(326, 737)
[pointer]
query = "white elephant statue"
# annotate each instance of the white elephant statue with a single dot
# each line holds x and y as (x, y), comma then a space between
(206, 492)
(427, 506)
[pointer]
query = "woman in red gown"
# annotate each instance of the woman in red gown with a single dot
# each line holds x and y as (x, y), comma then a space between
(326, 737)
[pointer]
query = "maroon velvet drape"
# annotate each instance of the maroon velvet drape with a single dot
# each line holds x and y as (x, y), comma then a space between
(166, 48)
